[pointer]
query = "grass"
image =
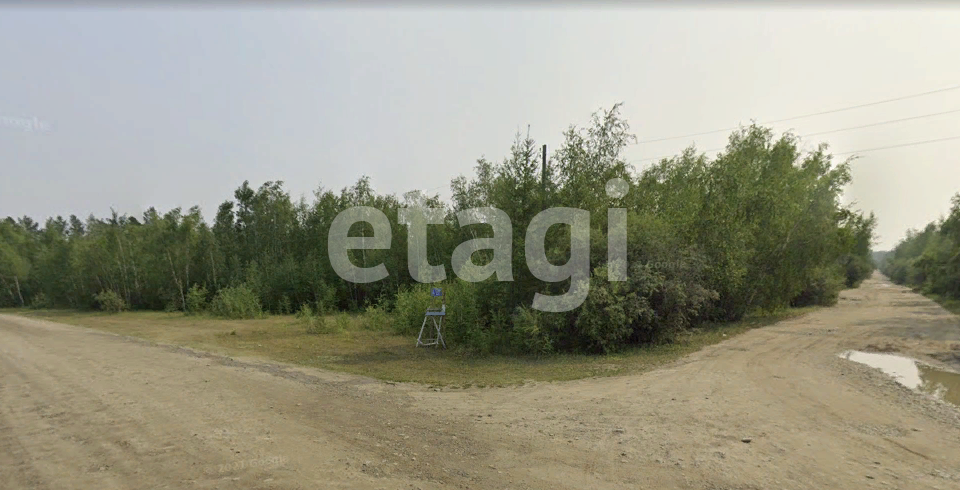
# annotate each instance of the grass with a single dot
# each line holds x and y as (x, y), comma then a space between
(360, 348)
(950, 304)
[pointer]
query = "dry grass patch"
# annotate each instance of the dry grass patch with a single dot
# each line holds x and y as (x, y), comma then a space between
(359, 347)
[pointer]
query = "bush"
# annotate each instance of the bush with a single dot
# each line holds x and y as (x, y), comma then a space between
(317, 325)
(531, 332)
(856, 269)
(326, 298)
(822, 289)
(463, 324)
(110, 302)
(196, 300)
(285, 307)
(39, 302)
(305, 312)
(342, 322)
(412, 303)
(314, 324)
(376, 318)
(236, 302)
(609, 315)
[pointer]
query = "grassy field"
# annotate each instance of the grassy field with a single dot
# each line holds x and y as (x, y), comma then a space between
(360, 348)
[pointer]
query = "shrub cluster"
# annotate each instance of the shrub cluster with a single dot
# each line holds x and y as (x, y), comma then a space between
(236, 302)
(758, 226)
(929, 259)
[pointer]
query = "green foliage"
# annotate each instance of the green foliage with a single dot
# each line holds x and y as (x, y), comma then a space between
(285, 307)
(929, 259)
(879, 258)
(463, 325)
(238, 302)
(532, 331)
(856, 269)
(326, 298)
(607, 318)
(110, 301)
(313, 323)
(305, 312)
(342, 322)
(196, 300)
(40, 301)
(760, 226)
(822, 288)
(376, 318)
(412, 303)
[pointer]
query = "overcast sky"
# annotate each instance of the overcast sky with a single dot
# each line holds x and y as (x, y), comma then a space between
(159, 107)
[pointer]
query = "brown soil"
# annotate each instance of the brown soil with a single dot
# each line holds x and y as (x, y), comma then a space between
(81, 409)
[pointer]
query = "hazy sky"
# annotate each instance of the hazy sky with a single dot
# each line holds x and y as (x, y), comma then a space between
(160, 107)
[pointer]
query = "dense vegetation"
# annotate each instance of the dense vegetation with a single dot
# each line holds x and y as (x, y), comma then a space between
(758, 227)
(880, 257)
(929, 259)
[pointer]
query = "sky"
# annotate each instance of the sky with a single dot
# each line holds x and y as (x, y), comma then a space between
(105, 108)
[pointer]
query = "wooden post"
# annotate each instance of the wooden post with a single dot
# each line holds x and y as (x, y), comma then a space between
(543, 180)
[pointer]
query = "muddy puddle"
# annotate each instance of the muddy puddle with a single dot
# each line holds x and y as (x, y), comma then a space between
(912, 374)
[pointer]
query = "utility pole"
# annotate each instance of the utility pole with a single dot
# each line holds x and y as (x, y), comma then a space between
(543, 180)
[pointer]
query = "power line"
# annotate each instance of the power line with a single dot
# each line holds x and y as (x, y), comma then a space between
(850, 128)
(891, 121)
(881, 123)
(809, 115)
(901, 145)
(914, 143)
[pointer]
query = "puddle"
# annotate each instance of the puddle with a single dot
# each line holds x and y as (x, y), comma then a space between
(912, 374)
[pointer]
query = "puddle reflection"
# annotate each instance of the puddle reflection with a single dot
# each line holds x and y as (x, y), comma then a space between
(912, 374)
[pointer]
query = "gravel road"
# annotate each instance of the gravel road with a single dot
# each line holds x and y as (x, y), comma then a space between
(773, 408)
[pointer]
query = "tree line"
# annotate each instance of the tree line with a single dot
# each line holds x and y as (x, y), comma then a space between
(758, 227)
(929, 259)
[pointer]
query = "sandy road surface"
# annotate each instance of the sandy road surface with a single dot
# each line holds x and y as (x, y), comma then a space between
(81, 409)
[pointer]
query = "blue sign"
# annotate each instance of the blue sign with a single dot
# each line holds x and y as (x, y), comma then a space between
(437, 292)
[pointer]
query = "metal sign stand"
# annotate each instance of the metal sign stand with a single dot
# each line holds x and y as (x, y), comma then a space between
(435, 314)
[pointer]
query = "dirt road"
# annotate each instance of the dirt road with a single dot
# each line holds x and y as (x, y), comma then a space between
(81, 409)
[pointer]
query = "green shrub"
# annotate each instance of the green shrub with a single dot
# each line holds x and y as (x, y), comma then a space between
(530, 333)
(326, 299)
(285, 306)
(40, 301)
(236, 302)
(856, 269)
(196, 300)
(605, 321)
(317, 325)
(342, 322)
(313, 323)
(463, 324)
(412, 303)
(110, 302)
(305, 312)
(376, 318)
(822, 289)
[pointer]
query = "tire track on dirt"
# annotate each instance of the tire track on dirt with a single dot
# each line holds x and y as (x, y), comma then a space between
(73, 401)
